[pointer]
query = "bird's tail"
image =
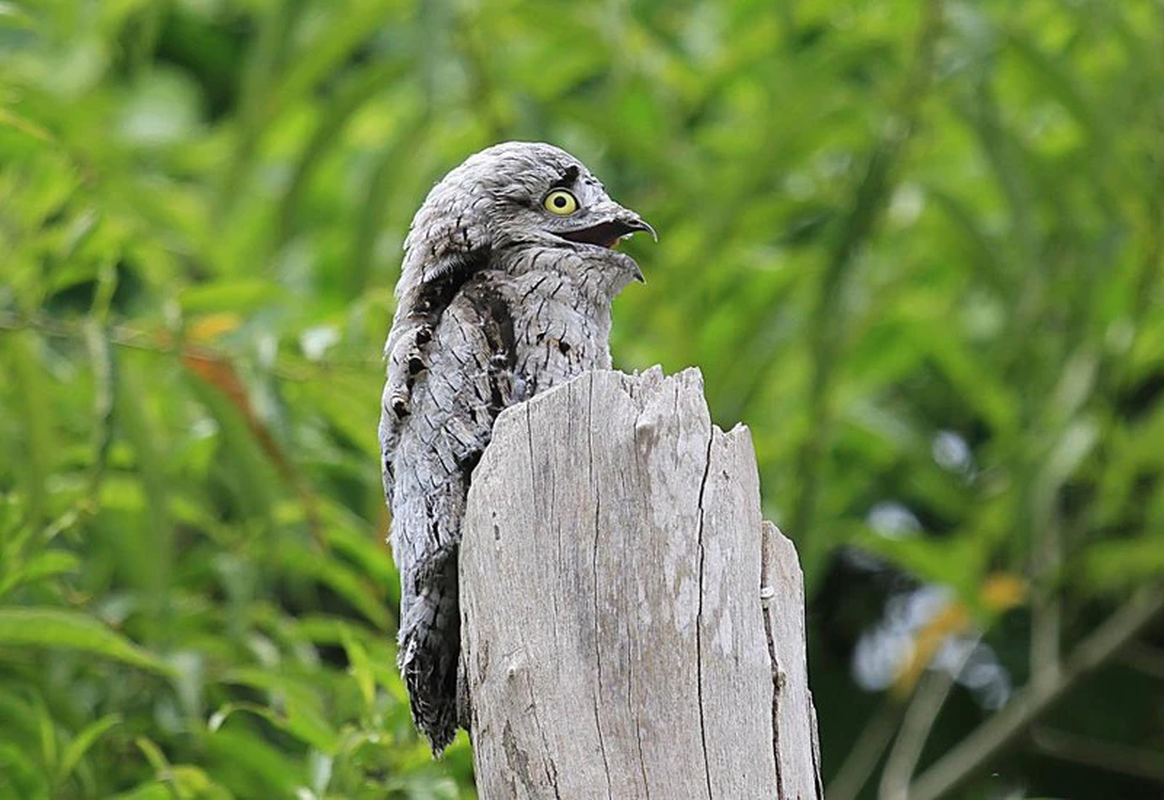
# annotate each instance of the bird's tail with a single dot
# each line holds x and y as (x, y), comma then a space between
(429, 649)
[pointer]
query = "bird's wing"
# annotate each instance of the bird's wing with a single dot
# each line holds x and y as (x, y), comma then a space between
(455, 383)
(424, 292)
(466, 381)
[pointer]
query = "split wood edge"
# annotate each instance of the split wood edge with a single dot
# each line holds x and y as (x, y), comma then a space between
(631, 627)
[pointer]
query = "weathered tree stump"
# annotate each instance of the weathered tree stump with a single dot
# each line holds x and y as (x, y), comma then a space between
(631, 628)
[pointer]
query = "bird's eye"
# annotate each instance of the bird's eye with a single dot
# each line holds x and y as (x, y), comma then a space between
(560, 201)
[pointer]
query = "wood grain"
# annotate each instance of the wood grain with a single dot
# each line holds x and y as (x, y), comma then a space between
(614, 637)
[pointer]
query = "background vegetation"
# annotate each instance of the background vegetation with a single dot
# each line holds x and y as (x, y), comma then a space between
(916, 246)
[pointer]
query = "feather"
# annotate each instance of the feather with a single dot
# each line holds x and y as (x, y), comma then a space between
(498, 299)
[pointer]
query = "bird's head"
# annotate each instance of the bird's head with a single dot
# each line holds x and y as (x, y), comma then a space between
(516, 200)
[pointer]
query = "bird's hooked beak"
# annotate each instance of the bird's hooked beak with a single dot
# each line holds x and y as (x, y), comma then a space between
(615, 225)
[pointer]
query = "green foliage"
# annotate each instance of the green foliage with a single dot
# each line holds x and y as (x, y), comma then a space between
(880, 223)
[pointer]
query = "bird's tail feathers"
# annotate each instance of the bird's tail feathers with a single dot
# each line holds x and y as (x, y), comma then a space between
(428, 655)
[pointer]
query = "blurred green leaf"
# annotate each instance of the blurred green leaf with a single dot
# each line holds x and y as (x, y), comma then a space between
(82, 743)
(35, 408)
(295, 708)
(150, 791)
(916, 247)
(41, 566)
(55, 628)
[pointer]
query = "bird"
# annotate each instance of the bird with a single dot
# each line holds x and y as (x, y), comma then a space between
(505, 290)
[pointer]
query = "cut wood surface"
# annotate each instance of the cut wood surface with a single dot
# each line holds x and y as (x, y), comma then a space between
(630, 626)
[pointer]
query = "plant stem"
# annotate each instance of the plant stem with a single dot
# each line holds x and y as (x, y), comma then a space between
(997, 733)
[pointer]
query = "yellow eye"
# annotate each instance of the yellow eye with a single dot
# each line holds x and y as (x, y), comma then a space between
(560, 201)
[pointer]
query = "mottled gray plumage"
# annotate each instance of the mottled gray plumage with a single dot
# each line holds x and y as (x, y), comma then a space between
(499, 298)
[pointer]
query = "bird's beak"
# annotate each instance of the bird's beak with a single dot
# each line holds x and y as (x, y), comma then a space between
(632, 222)
(614, 223)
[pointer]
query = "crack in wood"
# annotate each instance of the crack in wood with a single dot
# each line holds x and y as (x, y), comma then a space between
(601, 571)
(699, 614)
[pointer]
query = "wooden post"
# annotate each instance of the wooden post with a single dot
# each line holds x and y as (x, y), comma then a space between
(630, 626)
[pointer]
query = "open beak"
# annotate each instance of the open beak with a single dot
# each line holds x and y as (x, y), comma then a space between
(608, 233)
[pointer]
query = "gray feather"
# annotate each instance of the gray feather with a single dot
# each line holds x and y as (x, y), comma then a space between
(498, 299)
